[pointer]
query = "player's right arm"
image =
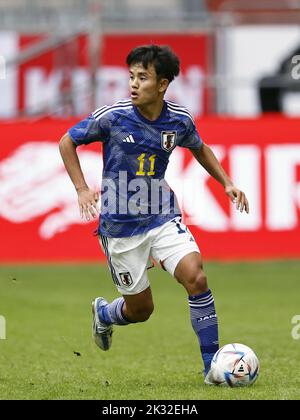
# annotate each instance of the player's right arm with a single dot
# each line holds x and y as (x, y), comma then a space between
(87, 198)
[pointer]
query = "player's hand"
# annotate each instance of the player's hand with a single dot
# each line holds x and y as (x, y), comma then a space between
(88, 203)
(237, 196)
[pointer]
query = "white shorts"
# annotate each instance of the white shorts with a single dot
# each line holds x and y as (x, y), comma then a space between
(129, 258)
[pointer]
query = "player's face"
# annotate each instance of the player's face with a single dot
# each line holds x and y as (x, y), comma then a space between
(145, 87)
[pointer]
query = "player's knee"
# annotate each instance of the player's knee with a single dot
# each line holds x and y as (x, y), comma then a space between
(200, 282)
(196, 283)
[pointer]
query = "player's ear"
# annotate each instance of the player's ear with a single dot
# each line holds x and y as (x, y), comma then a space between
(163, 85)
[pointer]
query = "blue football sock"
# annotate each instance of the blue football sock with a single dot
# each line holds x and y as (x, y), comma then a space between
(205, 324)
(113, 313)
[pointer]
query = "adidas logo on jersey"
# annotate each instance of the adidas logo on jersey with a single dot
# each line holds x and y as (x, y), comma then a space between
(129, 139)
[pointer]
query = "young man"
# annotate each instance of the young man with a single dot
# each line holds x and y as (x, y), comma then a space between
(140, 217)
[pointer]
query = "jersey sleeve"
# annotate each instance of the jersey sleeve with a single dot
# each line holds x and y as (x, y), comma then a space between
(191, 139)
(90, 130)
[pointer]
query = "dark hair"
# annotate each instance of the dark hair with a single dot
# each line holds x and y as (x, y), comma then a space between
(165, 62)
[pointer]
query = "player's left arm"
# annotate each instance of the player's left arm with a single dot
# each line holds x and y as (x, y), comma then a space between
(210, 163)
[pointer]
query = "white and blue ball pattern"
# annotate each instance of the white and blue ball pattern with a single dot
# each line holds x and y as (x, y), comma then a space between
(235, 365)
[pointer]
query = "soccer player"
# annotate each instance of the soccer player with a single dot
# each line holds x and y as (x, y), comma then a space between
(140, 218)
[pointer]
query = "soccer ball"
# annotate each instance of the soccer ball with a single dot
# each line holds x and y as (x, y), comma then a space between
(235, 365)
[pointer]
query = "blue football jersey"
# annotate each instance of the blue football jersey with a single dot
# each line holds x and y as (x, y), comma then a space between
(134, 194)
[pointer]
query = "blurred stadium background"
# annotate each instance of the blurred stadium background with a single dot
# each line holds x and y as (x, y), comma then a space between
(240, 78)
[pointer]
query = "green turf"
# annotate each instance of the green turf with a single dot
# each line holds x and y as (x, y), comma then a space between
(47, 311)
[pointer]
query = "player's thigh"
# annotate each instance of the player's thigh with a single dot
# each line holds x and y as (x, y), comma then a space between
(171, 243)
(128, 260)
(190, 273)
(176, 250)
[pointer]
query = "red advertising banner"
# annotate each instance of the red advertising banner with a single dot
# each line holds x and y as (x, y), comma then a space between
(69, 79)
(39, 216)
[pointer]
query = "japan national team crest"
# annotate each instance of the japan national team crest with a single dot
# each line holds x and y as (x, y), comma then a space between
(126, 278)
(168, 140)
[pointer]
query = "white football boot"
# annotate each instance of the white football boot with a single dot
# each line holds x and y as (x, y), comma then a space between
(209, 380)
(102, 332)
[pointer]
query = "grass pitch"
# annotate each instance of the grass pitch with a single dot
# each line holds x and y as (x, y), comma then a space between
(48, 352)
